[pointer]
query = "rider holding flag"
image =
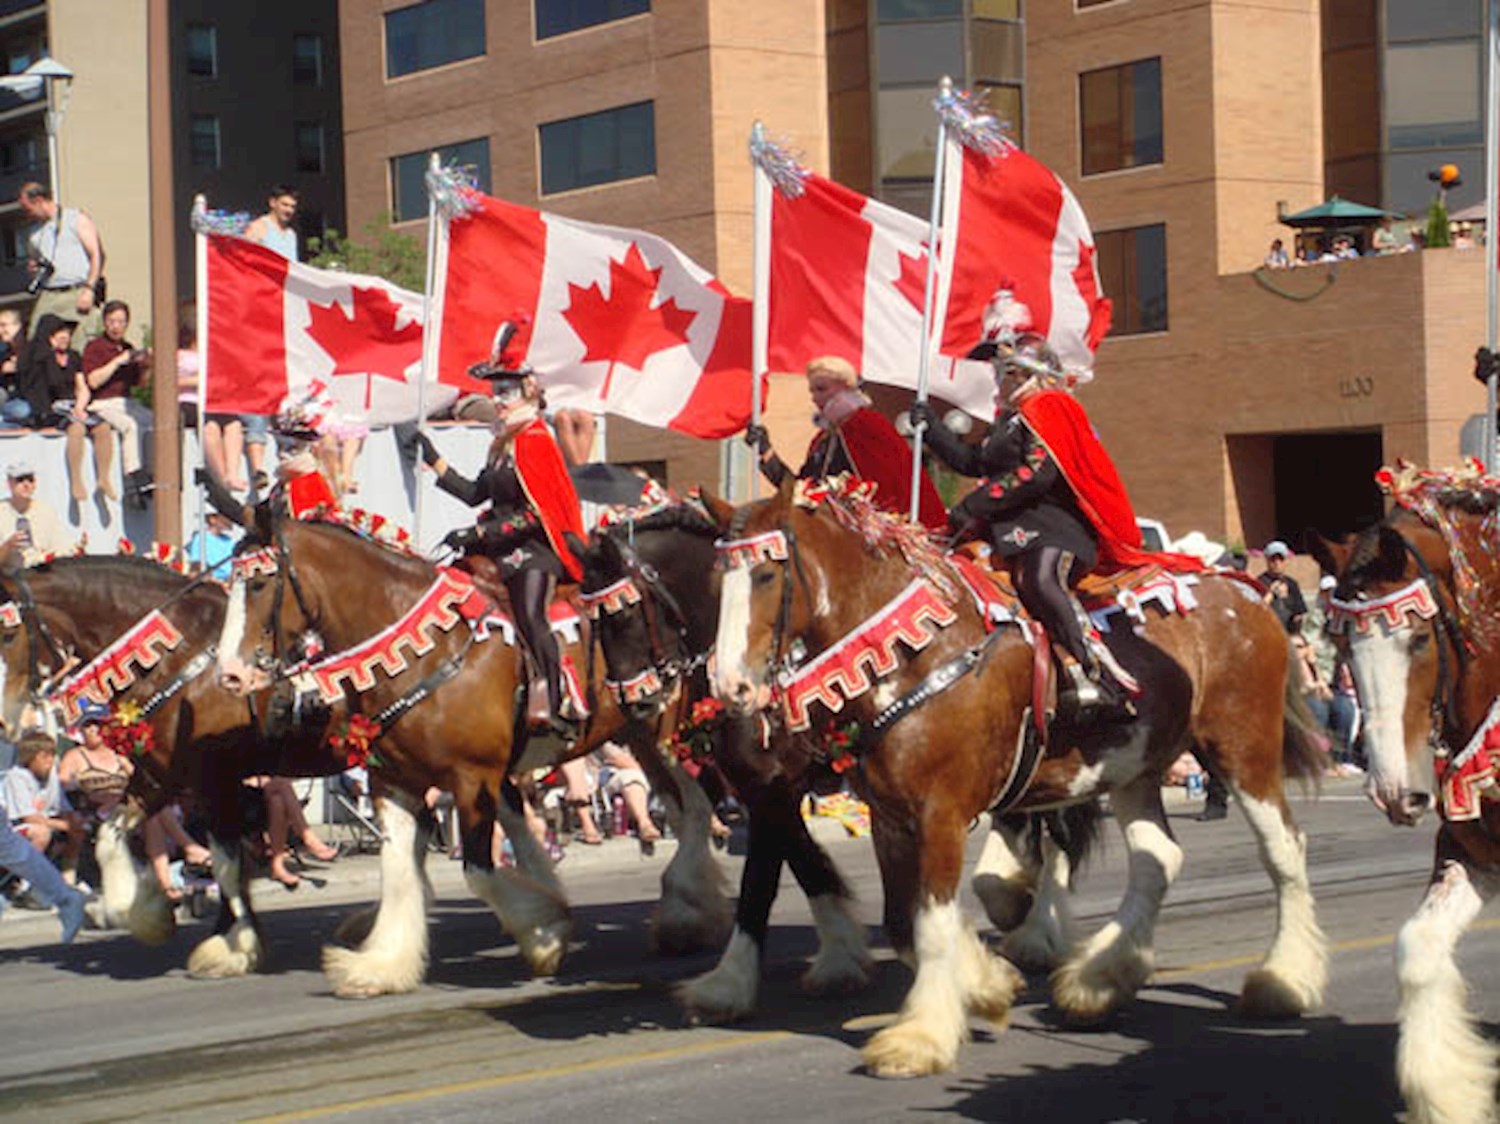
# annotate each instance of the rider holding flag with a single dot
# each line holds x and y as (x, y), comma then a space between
(533, 505)
(1049, 499)
(852, 437)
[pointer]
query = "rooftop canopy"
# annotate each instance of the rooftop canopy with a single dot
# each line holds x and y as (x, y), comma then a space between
(1337, 212)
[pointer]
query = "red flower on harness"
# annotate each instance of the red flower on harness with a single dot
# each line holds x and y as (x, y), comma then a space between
(128, 732)
(693, 740)
(839, 744)
(354, 738)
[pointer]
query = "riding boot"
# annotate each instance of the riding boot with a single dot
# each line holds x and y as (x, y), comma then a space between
(529, 590)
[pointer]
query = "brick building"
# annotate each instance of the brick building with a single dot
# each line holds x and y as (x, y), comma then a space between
(1239, 402)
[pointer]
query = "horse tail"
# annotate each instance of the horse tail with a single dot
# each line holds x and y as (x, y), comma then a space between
(1077, 829)
(1304, 746)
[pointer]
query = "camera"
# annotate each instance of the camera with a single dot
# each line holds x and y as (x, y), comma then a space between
(44, 271)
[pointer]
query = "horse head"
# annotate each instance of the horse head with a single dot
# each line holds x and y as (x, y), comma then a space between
(272, 620)
(782, 560)
(28, 655)
(643, 586)
(1392, 617)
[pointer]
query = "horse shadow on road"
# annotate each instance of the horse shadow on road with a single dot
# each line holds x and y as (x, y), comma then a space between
(1194, 1063)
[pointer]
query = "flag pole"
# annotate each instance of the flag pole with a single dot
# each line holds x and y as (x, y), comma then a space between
(200, 303)
(945, 91)
(1491, 235)
(760, 293)
(429, 340)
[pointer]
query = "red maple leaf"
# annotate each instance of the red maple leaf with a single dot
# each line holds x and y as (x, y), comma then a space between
(624, 327)
(368, 344)
(912, 284)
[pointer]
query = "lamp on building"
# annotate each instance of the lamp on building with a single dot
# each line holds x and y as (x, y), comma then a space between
(59, 80)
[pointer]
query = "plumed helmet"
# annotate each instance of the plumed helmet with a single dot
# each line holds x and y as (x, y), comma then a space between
(1005, 319)
(1032, 356)
(504, 369)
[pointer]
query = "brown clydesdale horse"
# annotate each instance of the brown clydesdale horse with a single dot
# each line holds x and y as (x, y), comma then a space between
(1417, 613)
(64, 614)
(805, 571)
(450, 706)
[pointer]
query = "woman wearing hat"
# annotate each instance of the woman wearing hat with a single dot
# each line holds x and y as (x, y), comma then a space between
(852, 437)
(532, 507)
(1049, 499)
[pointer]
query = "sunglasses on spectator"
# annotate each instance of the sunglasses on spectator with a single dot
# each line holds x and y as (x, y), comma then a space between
(29, 478)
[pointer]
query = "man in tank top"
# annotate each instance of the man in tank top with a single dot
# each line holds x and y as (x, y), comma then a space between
(65, 257)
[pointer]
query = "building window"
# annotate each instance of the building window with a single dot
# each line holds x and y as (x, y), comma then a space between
(1121, 111)
(1133, 273)
(309, 146)
(433, 33)
(202, 51)
(887, 10)
(617, 144)
(307, 60)
(408, 175)
(204, 142)
(1082, 4)
(558, 17)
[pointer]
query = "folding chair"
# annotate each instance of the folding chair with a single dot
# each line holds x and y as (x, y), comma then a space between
(356, 816)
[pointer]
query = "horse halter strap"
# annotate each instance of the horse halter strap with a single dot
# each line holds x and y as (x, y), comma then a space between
(778, 545)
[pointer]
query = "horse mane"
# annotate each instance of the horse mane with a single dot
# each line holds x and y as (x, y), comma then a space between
(851, 503)
(129, 568)
(398, 547)
(685, 515)
(1450, 502)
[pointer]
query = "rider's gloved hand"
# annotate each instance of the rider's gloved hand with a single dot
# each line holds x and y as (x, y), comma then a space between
(1485, 364)
(462, 539)
(922, 413)
(758, 439)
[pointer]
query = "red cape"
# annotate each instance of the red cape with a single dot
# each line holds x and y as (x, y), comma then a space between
(308, 493)
(545, 480)
(1061, 425)
(880, 456)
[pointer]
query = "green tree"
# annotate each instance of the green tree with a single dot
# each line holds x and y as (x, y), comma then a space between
(382, 252)
(1437, 225)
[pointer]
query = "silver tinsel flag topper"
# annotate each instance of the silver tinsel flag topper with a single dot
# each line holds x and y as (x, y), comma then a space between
(780, 165)
(453, 189)
(221, 222)
(967, 117)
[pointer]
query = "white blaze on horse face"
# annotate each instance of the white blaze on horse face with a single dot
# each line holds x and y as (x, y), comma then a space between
(1381, 663)
(733, 682)
(232, 635)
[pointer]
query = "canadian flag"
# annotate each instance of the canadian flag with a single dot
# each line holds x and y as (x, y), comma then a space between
(612, 320)
(1014, 224)
(276, 327)
(848, 275)
(848, 278)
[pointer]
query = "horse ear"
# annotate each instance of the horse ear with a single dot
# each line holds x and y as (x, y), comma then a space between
(1331, 554)
(786, 489)
(721, 510)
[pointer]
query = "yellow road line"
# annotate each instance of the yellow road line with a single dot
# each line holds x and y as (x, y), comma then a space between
(754, 1038)
(480, 1085)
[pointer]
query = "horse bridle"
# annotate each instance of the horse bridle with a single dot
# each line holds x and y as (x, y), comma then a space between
(778, 545)
(37, 630)
(667, 667)
(281, 659)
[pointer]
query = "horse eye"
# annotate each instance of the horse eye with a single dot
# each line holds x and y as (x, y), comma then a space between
(7, 638)
(257, 584)
(1421, 642)
(763, 578)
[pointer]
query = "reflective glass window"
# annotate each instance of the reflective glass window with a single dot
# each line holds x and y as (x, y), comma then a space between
(307, 60)
(1133, 273)
(202, 51)
(907, 133)
(1432, 94)
(917, 9)
(433, 33)
(997, 9)
(203, 141)
(1122, 116)
(999, 50)
(309, 138)
(558, 17)
(408, 172)
(919, 52)
(616, 144)
(1433, 19)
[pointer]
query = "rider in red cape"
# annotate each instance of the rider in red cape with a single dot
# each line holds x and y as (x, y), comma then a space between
(532, 505)
(853, 437)
(1049, 501)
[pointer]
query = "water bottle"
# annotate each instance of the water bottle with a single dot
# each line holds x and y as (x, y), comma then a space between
(1194, 785)
(621, 824)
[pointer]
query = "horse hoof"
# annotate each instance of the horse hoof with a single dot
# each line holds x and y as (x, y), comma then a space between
(1032, 950)
(904, 1050)
(355, 928)
(214, 959)
(1266, 995)
(715, 999)
(821, 981)
(545, 949)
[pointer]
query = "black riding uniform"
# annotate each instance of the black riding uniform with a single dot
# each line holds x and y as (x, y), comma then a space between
(1029, 514)
(513, 537)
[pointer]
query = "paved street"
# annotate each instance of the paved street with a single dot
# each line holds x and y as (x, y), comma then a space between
(109, 1030)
